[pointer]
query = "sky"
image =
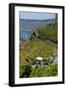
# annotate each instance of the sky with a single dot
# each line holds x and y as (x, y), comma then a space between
(36, 15)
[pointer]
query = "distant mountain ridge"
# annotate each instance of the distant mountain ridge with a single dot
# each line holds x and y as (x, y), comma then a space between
(37, 19)
(28, 24)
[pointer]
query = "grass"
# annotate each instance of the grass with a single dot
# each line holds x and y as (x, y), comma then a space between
(45, 71)
(39, 48)
(36, 48)
(49, 31)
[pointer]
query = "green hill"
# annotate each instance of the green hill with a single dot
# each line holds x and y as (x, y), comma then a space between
(49, 32)
(36, 48)
(39, 47)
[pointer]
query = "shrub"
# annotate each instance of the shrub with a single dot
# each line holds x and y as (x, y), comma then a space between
(25, 71)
